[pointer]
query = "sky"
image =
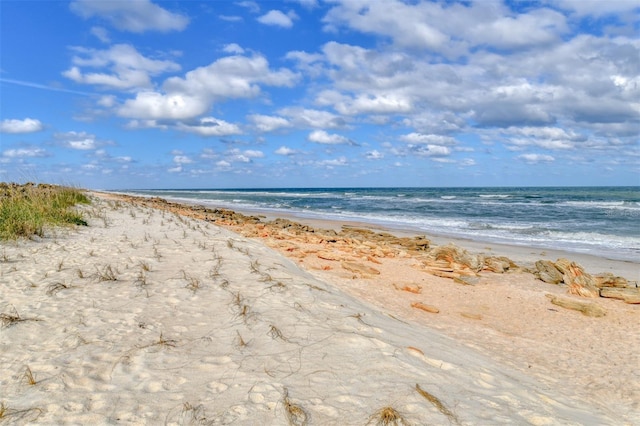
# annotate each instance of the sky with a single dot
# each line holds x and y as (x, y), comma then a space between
(310, 93)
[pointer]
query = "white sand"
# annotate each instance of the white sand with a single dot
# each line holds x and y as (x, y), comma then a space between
(221, 329)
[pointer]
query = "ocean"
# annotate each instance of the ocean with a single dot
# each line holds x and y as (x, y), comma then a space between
(603, 221)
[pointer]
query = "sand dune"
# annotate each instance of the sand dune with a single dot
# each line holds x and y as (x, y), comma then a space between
(147, 317)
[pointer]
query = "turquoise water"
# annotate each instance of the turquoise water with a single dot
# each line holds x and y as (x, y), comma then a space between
(603, 221)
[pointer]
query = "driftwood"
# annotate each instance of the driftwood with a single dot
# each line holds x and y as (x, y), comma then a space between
(588, 309)
(629, 295)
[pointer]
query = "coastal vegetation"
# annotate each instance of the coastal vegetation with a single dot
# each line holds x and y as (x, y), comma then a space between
(26, 210)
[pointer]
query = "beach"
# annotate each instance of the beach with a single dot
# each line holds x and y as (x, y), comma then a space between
(161, 313)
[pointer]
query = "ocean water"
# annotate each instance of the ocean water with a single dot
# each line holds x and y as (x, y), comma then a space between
(604, 221)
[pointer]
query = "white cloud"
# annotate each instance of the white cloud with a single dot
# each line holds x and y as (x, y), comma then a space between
(101, 34)
(374, 155)
(252, 153)
(409, 25)
(156, 106)
(107, 101)
(231, 77)
(375, 104)
(341, 161)
(128, 68)
(210, 126)
(78, 140)
(286, 151)
(420, 138)
(598, 8)
(28, 125)
(430, 150)
(135, 16)
(536, 158)
(322, 137)
(314, 118)
(268, 123)
(233, 48)
(25, 152)
(182, 159)
(252, 6)
(278, 18)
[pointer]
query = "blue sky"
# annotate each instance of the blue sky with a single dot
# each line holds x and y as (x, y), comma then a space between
(312, 93)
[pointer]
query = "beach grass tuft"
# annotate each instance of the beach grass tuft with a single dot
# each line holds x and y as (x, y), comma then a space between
(29, 377)
(54, 288)
(106, 274)
(296, 416)
(19, 416)
(9, 319)
(437, 403)
(387, 416)
(26, 210)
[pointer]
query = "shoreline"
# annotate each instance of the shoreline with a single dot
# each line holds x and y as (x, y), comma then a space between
(522, 254)
(158, 312)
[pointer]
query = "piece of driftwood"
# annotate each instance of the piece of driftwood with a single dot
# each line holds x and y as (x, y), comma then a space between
(628, 295)
(426, 308)
(588, 309)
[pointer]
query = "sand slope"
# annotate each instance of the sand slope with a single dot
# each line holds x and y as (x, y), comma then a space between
(145, 317)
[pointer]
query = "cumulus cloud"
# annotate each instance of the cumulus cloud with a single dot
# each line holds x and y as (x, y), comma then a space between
(278, 18)
(268, 123)
(128, 69)
(79, 140)
(314, 118)
(536, 158)
(210, 126)
(231, 77)
(322, 137)
(27, 125)
(598, 8)
(286, 151)
(26, 152)
(420, 138)
(134, 16)
(374, 155)
(336, 162)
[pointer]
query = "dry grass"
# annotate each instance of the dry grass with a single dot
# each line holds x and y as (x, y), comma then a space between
(437, 403)
(26, 210)
(275, 333)
(387, 416)
(296, 416)
(54, 288)
(106, 274)
(29, 377)
(9, 319)
(26, 416)
(194, 284)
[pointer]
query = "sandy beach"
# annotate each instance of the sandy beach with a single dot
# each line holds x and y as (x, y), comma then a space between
(155, 314)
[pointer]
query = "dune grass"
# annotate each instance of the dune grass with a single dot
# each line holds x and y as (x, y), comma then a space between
(26, 210)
